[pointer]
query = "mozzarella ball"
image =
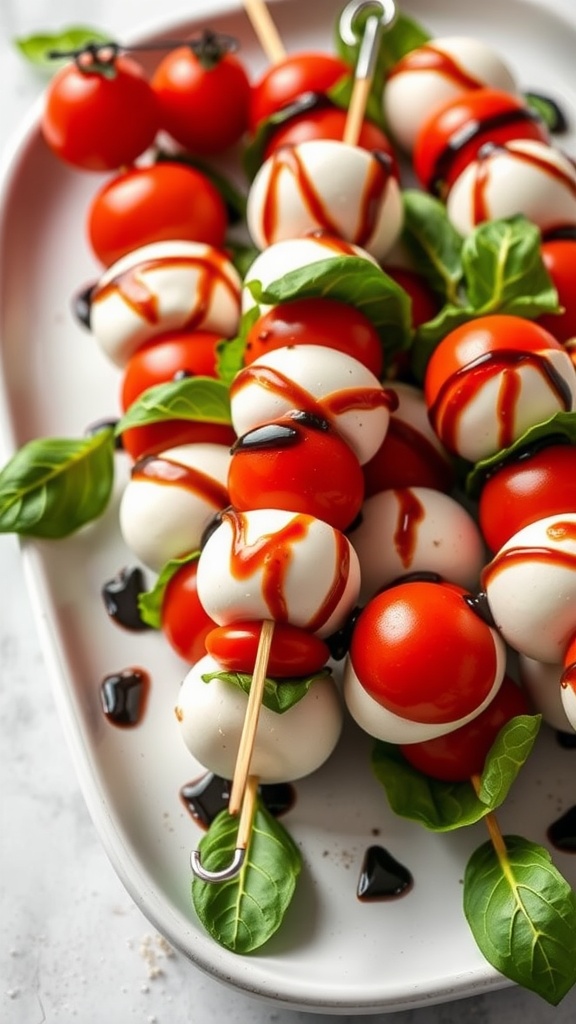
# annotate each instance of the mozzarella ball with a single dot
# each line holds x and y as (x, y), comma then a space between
(530, 586)
(171, 498)
(161, 287)
(326, 185)
(522, 176)
(541, 683)
(288, 746)
(416, 530)
(283, 257)
(434, 73)
(273, 564)
(312, 378)
(568, 698)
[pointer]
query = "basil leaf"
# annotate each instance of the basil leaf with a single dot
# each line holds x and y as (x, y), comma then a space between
(548, 111)
(341, 93)
(242, 913)
(150, 601)
(242, 256)
(404, 35)
(429, 335)
(35, 49)
(510, 750)
(433, 243)
(192, 398)
(230, 353)
(522, 914)
(279, 695)
(355, 281)
(559, 429)
(53, 486)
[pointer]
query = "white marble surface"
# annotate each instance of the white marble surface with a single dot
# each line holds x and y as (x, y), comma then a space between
(73, 944)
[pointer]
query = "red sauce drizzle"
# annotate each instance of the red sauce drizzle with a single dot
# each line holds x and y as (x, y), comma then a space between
(553, 556)
(461, 387)
(480, 205)
(410, 514)
(272, 555)
(426, 58)
(175, 474)
(137, 294)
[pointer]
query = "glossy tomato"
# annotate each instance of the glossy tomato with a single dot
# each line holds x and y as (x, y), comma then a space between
(294, 652)
(298, 463)
(424, 303)
(540, 484)
(161, 202)
(287, 80)
(100, 120)
(324, 322)
(327, 123)
(203, 95)
(185, 624)
(458, 755)
(160, 360)
(559, 256)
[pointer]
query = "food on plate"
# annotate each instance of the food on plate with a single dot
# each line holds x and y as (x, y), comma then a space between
(294, 76)
(559, 255)
(541, 682)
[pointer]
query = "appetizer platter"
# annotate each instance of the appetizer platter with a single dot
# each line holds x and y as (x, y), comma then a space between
(372, 916)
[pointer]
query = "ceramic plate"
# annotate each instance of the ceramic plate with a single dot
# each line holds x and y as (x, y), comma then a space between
(334, 952)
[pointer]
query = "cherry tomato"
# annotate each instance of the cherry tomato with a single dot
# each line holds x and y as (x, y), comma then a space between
(160, 360)
(300, 464)
(288, 79)
(458, 755)
(422, 652)
(559, 256)
(424, 303)
(185, 624)
(203, 96)
(152, 204)
(539, 484)
(98, 121)
(407, 458)
(294, 651)
(451, 137)
(327, 123)
(324, 322)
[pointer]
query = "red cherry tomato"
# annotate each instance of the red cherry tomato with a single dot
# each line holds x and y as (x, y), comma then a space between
(203, 96)
(559, 257)
(300, 464)
(98, 122)
(158, 361)
(406, 458)
(288, 79)
(294, 652)
(538, 485)
(451, 137)
(423, 653)
(317, 322)
(327, 123)
(424, 303)
(152, 204)
(462, 753)
(185, 624)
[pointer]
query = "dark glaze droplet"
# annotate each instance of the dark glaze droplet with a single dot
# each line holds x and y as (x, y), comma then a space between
(105, 424)
(562, 234)
(182, 374)
(479, 605)
(562, 833)
(339, 642)
(271, 435)
(123, 695)
(120, 596)
(81, 305)
(206, 796)
(212, 526)
(566, 740)
(382, 877)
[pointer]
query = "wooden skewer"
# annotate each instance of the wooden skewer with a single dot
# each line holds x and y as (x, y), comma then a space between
(363, 75)
(246, 746)
(266, 30)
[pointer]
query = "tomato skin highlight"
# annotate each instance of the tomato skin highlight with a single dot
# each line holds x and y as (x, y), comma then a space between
(97, 123)
(538, 485)
(286, 80)
(458, 755)
(204, 108)
(185, 624)
(158, 203)
(326, 322)
(294, 651)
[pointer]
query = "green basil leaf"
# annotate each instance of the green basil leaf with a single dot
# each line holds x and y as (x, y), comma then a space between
(254, 152)
(429, 335)
(559, 429)
(433, 243)
(396, 41)
(522, 914)
(53, 486)
(242, 913)
(192, 398)
(510, 750)
(230, 353)
(242, 256)
(36, 48)
(279, 694)
(353, 280)
(150, 601)
(341, 93)
(548, 111)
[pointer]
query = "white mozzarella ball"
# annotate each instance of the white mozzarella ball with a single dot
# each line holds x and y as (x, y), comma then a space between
(522, 176)
(160, 287)
(541, 683)
(530, 585)
(283, 257)
(383, 724)
(288, 746)
(285, 566)
(313, 378)
(434, 73)
(171, 498)
(568, 698)
(326, 185)
(416, 530)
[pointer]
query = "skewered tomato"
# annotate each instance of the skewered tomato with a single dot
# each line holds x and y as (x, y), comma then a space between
(294, 651)
(327, 123)
(185, 624)
(559, 256)
(288, 79)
